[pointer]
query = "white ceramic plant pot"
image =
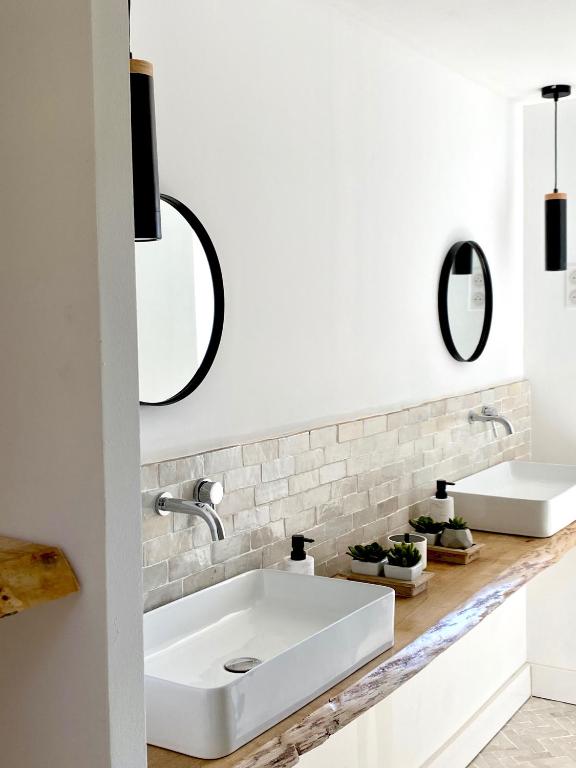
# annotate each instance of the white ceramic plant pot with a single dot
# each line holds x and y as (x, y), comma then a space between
(368, 569)
(431, 538)
(418, 539)
(457, 538)
(404, 574)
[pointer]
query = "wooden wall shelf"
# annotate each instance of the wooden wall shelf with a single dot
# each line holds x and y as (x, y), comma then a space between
(31, 574)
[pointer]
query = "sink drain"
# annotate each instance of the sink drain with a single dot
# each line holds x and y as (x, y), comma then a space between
(242, 664)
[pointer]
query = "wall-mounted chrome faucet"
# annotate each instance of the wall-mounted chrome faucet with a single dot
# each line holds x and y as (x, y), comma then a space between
(489, 413)
(205, 497)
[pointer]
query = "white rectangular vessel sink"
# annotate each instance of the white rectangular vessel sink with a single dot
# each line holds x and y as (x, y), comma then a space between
(519, 497)
(307, 632)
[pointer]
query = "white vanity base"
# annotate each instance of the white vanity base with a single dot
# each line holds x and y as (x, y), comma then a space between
(445, 715)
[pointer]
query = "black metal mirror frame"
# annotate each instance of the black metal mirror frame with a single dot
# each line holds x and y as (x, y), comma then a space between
(218, 287)
(443, 301)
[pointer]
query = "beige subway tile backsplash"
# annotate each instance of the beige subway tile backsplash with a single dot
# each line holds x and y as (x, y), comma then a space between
(231, 546)
(351, 430)
(238, 501)
(205, 578)
(260, 453)
(337, 452)
(273, 491)
(268, 534)
(166, 594)
(322, 438)
(308, 461)
(251, 518)
(375, 425)
(349, 482)
(278, 469)
(242, 477)
(303, 482)
(220, 461)
(294, 444)
(155, 576)
(248, 562)
(189, 562)
(300, 522)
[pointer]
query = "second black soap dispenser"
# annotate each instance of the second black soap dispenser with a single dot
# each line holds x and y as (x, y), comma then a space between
(441, 506)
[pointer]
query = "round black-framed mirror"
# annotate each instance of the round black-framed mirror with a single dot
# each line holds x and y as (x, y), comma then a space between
(180, 306)
(465, 301)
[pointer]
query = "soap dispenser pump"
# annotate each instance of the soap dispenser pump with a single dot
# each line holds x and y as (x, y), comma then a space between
(298, 561)
(441, 505)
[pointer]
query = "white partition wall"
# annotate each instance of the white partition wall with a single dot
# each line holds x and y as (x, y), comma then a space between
(70, 671)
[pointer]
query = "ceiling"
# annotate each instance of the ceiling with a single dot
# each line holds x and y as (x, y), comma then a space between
(511, 46)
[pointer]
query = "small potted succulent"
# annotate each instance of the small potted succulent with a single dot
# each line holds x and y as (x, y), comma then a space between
(368, 560)
(429, 528)
(404, 562)
(419, 541)
(456, 534)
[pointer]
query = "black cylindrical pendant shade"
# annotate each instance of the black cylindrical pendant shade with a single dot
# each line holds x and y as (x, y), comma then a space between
(144, 158)
(556, 231)
(463, 260)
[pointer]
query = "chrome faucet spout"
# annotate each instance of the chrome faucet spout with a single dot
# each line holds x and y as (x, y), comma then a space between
(505, 423)
(166, 503)
(490, 414)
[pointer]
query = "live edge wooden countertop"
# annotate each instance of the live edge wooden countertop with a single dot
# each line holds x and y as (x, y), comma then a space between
(458, 598)
(31, 574)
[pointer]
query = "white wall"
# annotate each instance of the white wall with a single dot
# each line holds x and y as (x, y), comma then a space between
(333, 168)
(550, 327)
(71, 671)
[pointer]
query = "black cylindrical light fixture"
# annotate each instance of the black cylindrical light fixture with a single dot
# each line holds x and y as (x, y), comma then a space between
(556, 231)
(556, 202)
(144, 159)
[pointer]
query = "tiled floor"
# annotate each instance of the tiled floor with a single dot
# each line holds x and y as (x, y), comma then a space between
(542, 734)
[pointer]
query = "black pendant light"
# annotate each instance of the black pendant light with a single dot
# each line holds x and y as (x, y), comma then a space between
(144, 159)
(556, 202)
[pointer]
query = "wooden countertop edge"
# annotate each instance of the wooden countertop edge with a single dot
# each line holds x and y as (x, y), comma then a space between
(283, 751)
(32, 574)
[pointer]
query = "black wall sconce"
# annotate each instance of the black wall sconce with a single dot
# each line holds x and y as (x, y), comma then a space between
(147, 225)
(556, 202)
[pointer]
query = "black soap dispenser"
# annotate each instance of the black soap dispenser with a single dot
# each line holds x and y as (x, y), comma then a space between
(441, 506)
(298, 561)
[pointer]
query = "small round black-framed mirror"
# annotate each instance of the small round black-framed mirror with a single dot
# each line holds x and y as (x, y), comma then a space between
(180, 306)
(465, 301)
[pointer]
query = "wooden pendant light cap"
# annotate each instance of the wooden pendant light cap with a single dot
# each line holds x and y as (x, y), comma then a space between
(556, 196)
(141, 67)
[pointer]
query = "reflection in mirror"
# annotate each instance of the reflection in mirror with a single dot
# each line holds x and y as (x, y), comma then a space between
(465, 301)
(466, 308)
(180, 306)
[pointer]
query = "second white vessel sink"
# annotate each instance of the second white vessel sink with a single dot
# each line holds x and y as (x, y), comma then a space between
(302, 633)
(519, 497)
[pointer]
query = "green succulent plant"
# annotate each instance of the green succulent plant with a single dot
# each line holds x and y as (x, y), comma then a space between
(404, 555)
(456, 524)
(425, 524)
(371, 553)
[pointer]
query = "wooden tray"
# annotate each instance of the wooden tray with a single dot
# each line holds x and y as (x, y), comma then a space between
(455, 556)
(402, 588)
